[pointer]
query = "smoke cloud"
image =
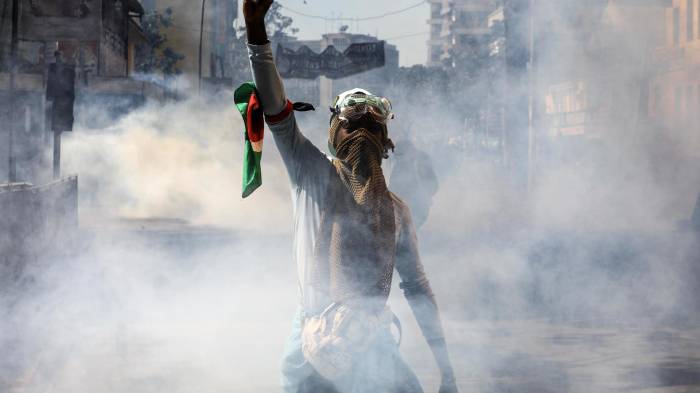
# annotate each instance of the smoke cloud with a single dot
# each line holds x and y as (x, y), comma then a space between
(588, 281)
(181, 159)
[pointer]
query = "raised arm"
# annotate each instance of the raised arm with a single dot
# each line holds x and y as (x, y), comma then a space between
(307, 166)
(419, 295)
(267, 79)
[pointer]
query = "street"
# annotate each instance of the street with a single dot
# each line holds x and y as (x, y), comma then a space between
(544, 155)
(158, 306)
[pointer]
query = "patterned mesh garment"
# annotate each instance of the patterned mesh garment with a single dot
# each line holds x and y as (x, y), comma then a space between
(354, 254)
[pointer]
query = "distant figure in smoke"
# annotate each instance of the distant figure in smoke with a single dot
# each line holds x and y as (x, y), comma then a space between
(413, 178)
(350, 233)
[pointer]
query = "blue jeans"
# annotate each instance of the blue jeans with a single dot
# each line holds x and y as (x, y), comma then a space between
(380, 370)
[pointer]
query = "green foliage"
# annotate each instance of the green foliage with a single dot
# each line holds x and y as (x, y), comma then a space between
(154, 56)
(278, 26)
(277, 23)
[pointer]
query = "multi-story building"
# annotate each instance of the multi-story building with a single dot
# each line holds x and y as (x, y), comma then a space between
(563, 75)
(373, 80)
(486, 133)
(456, 26)
(322, 90)
(674, 101)
(602, 91)
(98, 37)
(217, 36)
(95, 37)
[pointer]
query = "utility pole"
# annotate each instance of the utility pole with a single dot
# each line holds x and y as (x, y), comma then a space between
(56, 155)
(201, 38)
(12, 166)
(530, 97)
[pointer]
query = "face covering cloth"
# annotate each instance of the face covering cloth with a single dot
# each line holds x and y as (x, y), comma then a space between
(356, 243)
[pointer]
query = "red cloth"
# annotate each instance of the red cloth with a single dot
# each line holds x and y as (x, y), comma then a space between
(254, 119)
(282, 115)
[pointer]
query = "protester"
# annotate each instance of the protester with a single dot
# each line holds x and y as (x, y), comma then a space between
(350, 233)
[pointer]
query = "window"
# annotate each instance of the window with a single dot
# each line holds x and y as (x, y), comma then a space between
(678, 101)
(435, 11)
(690, 14)
(435, 54)
(676, 25)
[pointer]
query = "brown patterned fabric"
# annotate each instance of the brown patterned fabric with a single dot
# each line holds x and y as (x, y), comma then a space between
(356, 243)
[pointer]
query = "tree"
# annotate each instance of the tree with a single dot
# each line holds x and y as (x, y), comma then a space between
(278, 23)
(278, 26)
(154, 56)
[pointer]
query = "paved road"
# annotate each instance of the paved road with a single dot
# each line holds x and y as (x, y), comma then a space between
(522, 356)
(159, 313)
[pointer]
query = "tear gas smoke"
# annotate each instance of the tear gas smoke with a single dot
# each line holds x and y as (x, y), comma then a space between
(589, 265)
(181, 159)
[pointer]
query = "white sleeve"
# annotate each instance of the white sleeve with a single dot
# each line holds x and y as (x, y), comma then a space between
(267, 80)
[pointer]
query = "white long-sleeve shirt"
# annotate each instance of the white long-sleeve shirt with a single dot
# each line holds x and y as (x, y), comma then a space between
(309, 172)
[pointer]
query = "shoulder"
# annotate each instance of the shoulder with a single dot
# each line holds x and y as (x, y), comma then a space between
(398, 202)
(401, 209)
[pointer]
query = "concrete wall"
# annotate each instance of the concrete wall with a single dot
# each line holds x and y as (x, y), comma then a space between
(33, 219)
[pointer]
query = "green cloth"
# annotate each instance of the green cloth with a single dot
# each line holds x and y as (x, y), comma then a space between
(249, 106)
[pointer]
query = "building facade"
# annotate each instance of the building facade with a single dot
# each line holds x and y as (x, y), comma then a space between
(674, 101)
(604, 89)
(321, 91)
(456, 26)
(217, 37)
(97, 38)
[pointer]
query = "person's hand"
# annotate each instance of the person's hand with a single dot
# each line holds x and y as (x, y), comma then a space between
(448, 385)
(254, 11)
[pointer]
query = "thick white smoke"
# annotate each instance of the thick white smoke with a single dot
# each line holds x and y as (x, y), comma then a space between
(181, 159)
(175, 283)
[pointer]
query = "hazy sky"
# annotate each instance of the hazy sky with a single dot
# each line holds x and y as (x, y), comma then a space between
(413, 49)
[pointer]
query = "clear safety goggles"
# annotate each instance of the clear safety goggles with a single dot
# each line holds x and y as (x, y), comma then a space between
(355, 106)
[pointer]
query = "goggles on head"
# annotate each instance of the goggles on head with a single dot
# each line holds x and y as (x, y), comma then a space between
(353, 106)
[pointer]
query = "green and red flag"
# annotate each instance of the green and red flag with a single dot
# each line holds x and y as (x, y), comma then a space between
(248, 105)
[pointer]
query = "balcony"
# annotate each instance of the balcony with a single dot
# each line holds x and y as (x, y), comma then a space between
(471, 30)
(475, 7)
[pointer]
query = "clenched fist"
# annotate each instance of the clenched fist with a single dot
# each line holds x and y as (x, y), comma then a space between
(254, 12)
